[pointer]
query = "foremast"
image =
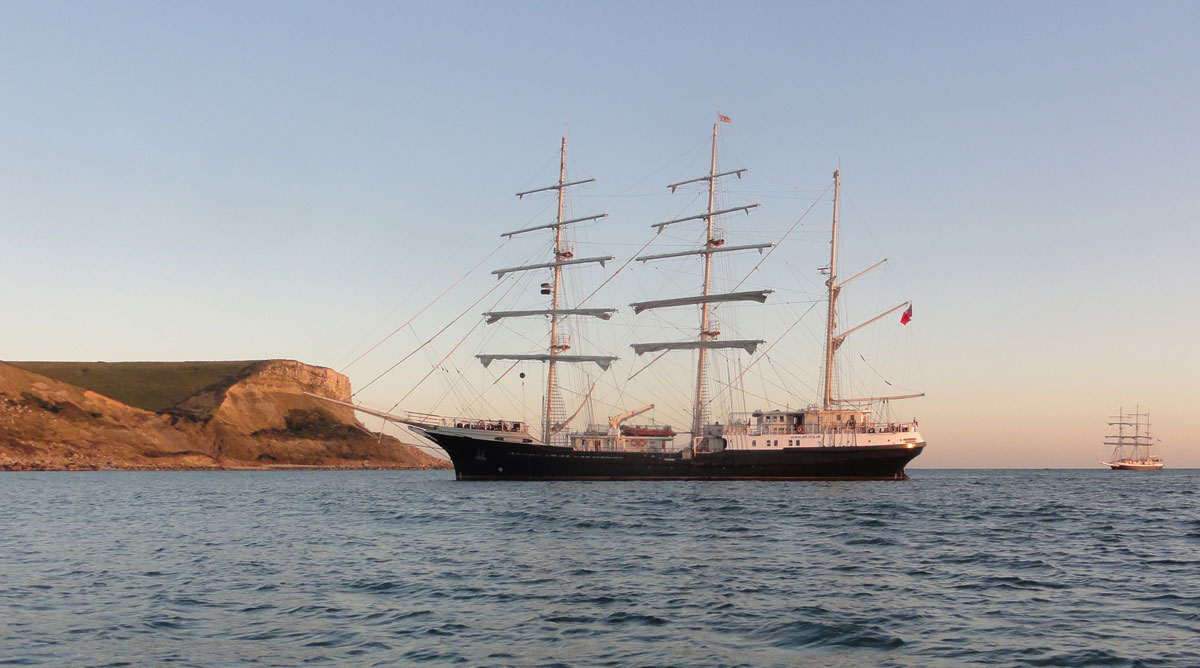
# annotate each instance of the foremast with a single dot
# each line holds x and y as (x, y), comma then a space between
(564, 256)
(709, 332)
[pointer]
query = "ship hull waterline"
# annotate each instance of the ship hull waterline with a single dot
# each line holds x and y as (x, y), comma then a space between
(1128, 466)
(481, 458)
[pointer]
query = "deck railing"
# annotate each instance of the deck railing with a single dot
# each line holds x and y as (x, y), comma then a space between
(433, 420)
(776, 429)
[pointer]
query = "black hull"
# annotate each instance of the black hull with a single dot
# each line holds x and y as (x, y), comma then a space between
(489, 459)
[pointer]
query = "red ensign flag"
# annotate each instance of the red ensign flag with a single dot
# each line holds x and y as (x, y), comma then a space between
(724, 119)
(907, 315)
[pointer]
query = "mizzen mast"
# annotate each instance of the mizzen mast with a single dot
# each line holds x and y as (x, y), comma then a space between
(834, 289)
(552, 409)
(709, 330)
(834, 341)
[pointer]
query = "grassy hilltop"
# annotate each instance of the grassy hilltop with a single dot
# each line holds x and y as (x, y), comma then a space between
(152, 386)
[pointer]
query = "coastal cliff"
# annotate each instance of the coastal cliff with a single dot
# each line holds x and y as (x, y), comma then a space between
(255, 415)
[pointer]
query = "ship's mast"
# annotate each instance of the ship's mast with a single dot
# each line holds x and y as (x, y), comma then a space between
(552, 413)
(709, 331)
(834, 288)
(699, 412)
(1139, 441)
(834, 341)
(548, 413)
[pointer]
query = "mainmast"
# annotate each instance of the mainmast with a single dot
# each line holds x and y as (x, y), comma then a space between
(709, 331)
(556, 346)
(552, 411)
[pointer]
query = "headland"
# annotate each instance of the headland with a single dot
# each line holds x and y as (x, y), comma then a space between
(187, 415)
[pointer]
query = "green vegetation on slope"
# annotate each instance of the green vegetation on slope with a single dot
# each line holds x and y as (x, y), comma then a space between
(152, 386)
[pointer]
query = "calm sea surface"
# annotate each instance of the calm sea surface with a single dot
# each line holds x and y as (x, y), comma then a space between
(1003, 568)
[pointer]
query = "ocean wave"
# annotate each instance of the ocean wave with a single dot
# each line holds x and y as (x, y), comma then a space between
(815, 634)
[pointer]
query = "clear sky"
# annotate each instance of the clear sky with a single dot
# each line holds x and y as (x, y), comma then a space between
(217, 180)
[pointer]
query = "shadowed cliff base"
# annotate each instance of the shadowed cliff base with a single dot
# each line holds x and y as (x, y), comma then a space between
(186, 415)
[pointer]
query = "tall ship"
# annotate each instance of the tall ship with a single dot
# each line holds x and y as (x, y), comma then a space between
(1129, 437)
(836, 438)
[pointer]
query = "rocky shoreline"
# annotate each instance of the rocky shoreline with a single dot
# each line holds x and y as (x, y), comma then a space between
(80, 468)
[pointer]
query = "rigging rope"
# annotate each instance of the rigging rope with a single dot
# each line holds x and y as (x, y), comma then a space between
(452, 350)
(729, 386)
(762, 356)
(652, 239)
(619, 270)
(785, 236)
(430, 339)
(554, 429)
(423, 309)
(635, 374)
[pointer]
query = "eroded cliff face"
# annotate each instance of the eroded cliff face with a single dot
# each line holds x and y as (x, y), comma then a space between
(45, 423)
(261, 396)
(258, 417)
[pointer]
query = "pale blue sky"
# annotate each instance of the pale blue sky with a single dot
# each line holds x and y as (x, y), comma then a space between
(275, 179)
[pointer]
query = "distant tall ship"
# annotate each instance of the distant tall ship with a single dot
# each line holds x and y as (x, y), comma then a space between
(1129, 437)
(837, 438)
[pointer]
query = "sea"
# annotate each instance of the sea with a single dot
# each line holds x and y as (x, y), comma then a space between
(411, 568)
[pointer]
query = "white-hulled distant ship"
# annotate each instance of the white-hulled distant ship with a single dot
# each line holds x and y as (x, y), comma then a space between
(1129, 436)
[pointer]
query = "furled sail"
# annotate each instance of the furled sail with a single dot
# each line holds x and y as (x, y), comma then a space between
(759, 296)
(705, 251)
(601, 361)
(552, 265)
(749, 345)
(602, 313)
